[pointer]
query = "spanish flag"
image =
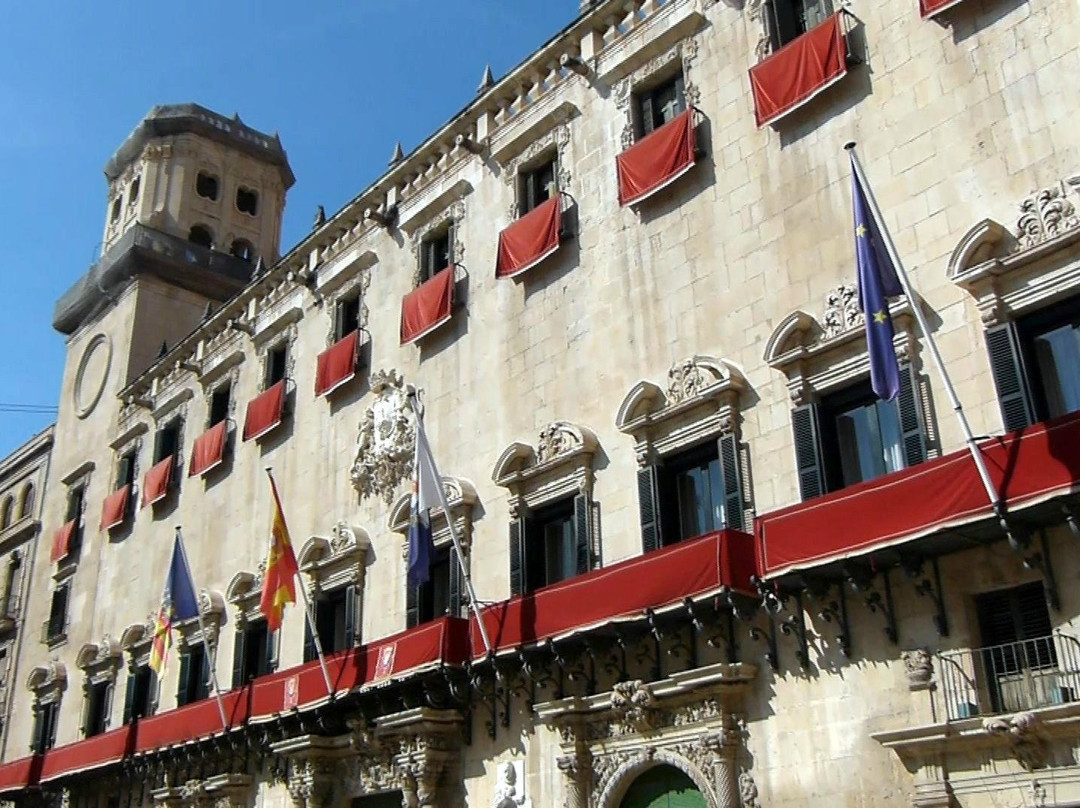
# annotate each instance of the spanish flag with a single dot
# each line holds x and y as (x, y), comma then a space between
(279, 582)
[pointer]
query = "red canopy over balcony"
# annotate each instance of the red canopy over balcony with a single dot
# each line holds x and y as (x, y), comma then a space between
(156, 481)
(530, 239)
(428, 306)
(264, 412)
(209, 449)
(928, 8)
(61, 543)
(337, 364)
(115, 509)
(657, 160)
(1028, 466)
(799, 70)
(623, 591)
(19, 774)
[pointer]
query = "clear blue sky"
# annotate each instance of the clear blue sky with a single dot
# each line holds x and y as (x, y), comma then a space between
(340, 82)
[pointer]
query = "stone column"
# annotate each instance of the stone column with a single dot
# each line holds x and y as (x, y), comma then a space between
(577, 771)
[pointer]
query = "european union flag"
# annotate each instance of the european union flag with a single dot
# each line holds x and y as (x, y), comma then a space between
(180, 597)
(877, 281)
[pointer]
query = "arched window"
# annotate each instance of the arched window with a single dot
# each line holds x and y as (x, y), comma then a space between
(115, 213)
(201, 235)
(247, 201)
(6, 510)
(242, 248)
(206, 186)
(133, 191)
(26, 501)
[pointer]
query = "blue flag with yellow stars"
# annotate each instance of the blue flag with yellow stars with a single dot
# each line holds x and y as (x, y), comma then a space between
(877, 282)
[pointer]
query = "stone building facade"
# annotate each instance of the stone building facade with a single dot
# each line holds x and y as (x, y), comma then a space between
(713, 568)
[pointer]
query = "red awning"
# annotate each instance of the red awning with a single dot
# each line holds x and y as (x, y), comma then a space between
(337, 364)
(61, 543)
(264, 412)
(156, 481)
(799, 70)
(428, 306)
(928, 8)
(209, 449)
(115, 509)
(621, 591)
(657, 160)
(98, 750)
(530, 239)
(1028, 466)
(19, 775)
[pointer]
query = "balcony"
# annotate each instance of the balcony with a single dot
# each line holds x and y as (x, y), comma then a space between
(1010, 678)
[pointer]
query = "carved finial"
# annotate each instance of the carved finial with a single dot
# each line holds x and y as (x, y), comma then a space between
(209, 311)
(260, 268)
(487, 82)
(164, 349)
(398, 155)
(320, 216)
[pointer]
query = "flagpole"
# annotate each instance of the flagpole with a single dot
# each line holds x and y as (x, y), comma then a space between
(935, 355)
(453, 534)
(307, 608)
(210, 656)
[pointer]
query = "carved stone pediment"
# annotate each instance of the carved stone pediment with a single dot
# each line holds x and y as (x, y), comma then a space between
(560, 464)
(386, 443)
(335, 561)
(460, 498)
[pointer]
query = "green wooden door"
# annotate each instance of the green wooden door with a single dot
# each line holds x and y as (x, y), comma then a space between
(663, 787)
(389, 800)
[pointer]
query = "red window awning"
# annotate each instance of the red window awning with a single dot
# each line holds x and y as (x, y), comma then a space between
(928, 8)
(1028, 466)
(337, 364)
(621, 591)
(428, 306)
(264, 412)
(115, 509)
(156, 481)
(657, 160)
(209, 449)
(799, 70)
(61, 543)
(530, 239)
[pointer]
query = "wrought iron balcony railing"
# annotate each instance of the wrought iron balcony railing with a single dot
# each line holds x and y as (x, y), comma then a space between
(1008, 678)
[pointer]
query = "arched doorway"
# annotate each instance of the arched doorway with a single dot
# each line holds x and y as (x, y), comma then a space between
(663, 787)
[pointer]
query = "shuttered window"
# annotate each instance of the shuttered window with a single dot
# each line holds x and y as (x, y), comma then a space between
(536, 186)
(346, 316)
(433, 599)
(335, 618)
(219, 404)
(551, 545)
(790, 19)
(44, 732)
(254, 652)
(139, 693)
(194, 681)
(97, 708)
(435, 253)
(659, 105)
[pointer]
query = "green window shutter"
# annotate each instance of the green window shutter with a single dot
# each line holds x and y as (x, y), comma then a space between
(454, 594)
(238, 657)
(1010, 378)
(517, 557)
(648, 122)
(129, 696)
(350, 616)
(310, 651)
(911, 417)
(412, 606)
(37, 740)
(582, 534)
(271, 649)
(804, 423)
(731, 478)
(649, 508)
(183, 689)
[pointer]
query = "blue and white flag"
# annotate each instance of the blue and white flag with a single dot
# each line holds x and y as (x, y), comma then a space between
(878, 281)
(425, 498)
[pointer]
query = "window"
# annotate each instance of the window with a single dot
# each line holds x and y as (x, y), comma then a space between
(114, 215)
(44, 734)
(247, 201)
(133, 191)
(439, 596)
(6, 510)
(346, 316)
(241, 248)
(97, 708)
(56, 626)
(790, 19)
(220, 400)
(26, 506)
(206, 186)
(851, 436)
(167, 441)
(201, 235)
(435, 253)
(536, 186)
(276, 364)
(139, 694)
(1017, 644)
(550, 545)
(335, 620)
(7, 606)
(660, 104)
(125, 470)
(253, 652)
(194, 675)
(74, 514)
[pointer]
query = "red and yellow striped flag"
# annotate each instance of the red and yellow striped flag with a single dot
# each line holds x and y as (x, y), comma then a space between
(162, 640)
(279, 582)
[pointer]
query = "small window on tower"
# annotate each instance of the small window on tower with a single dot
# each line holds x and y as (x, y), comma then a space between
(115, 214)
(242, 248)
(206, 186)
(247, 201)
(133, 191)
(202, 236)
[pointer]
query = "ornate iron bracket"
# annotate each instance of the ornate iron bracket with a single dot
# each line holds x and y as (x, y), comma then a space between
(861, 580)
(913, 569)
(832, 611)
(747, 615)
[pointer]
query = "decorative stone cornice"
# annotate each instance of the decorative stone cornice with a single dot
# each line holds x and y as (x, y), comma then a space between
(337, 561)
(460, 499)
(559, 465)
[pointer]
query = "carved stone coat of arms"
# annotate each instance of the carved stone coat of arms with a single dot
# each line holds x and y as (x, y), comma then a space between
(387, 439)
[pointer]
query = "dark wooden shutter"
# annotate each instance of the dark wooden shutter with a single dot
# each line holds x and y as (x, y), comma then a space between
(804, 423)
(649, 508)
(454, 590)
(517, 557)
(310, 651)
(184, 688)
(412, 605)
(911, 417)
(239, 643)
(129, 696)
(786, 23)
(271, 648)
(1010, 377)
(350, 616)
(53, 715)
(647, 121)
(37, 740)
(582, 534)
(731, 478)
(680, 94)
